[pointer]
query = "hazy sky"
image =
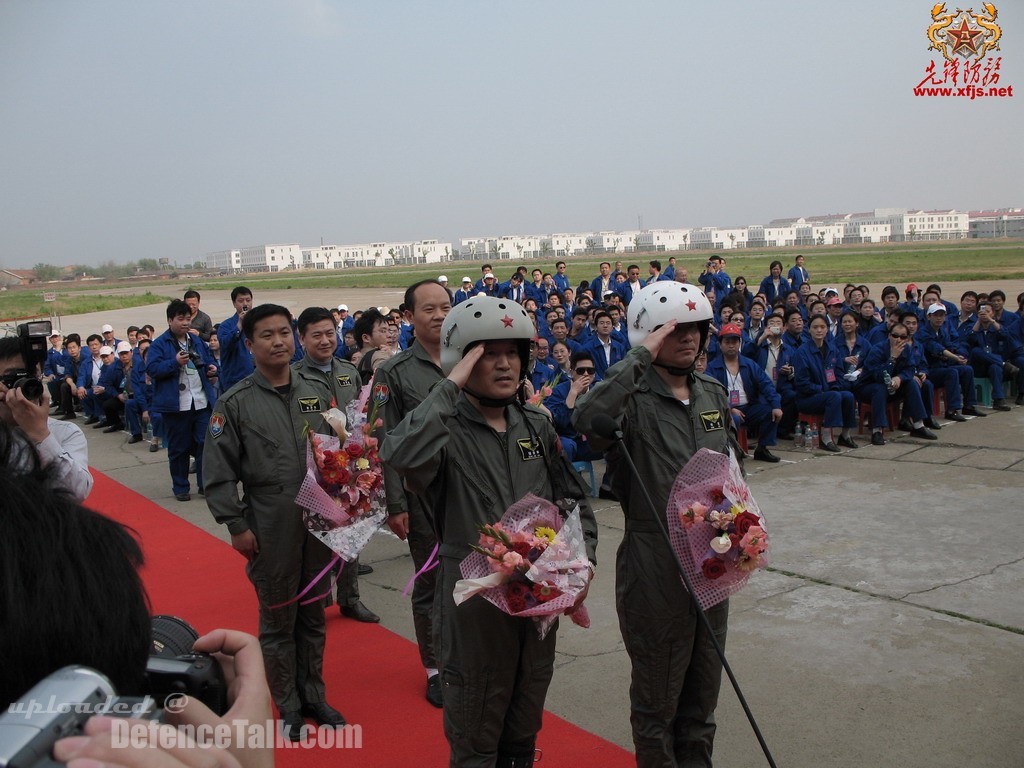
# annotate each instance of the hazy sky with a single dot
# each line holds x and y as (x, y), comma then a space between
(171, 129)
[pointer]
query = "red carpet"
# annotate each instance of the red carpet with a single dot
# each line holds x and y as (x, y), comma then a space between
(373, 675)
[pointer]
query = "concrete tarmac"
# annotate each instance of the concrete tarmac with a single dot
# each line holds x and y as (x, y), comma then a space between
(888, 630)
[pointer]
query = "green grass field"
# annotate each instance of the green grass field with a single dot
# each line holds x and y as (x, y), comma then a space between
(883, 263)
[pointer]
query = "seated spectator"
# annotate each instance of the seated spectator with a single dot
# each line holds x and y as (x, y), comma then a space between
(890, 301)
(996, 354)
(753, 400)
(775, 358)
(821, 391)
(88, 377)
(868, 317)
(69, 385)
(605, 350)
(541, 370)
(890, 363)
(562, 356)
(853, 349)
(107, 388)
(920, 364)
(948, 364)
(795, 336)
(740, 292)
(562, 401)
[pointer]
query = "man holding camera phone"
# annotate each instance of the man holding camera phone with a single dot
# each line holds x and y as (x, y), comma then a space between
(235, 357)
(181, 367)
(60, 445)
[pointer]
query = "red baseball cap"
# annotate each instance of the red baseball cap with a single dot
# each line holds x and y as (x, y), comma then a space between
(730, 330)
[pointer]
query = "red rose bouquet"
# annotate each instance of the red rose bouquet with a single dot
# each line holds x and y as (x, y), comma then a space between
(716, 527)
(530, 563)
(342, 495)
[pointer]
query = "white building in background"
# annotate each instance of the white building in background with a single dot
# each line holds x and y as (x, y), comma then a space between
(759, 236)
(224, 261)
(1006, 222)
(271, 258)
(718, 239)
(561, 245)
(663, 240)
(929, 225)
(820, 234)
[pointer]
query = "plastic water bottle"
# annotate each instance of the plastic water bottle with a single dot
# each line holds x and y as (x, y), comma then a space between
(811, 440)
(149, 432)
(887, 380)
(798, 436)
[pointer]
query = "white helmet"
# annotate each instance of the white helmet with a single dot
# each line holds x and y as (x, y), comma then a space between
(665, 300)
(484, 318)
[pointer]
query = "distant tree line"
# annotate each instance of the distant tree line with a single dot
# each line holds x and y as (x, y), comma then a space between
(108, 270)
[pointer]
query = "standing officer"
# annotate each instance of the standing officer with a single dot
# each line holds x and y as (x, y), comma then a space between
(400, 385)
(181, 366)
(257, 437)
(667, 412)
(341, 383)
(473, 451)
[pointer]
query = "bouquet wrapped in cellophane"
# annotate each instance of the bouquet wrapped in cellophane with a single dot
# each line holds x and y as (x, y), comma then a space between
(533, 562)
(715, 526)
(342, 495)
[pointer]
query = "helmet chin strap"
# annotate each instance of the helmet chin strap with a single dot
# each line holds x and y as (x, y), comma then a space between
(490, 402)
(674, 371)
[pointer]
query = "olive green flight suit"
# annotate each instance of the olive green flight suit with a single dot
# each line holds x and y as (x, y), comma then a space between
(494, 668)
(676, 672)
(256, 437)
(401, 383)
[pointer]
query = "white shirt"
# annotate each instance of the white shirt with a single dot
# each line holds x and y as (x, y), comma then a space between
(65, 453)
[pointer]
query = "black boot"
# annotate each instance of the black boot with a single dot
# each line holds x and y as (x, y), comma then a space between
(515, 757)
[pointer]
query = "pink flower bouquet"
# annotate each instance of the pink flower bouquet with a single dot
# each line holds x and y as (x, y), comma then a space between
(716, 527)
(342, 496)
(531, 563)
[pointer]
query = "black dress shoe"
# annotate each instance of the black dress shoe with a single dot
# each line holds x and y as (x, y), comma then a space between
(877, 438)
(100, 424)
(112, 428)
(1010, 370)
(91, 420)
(1000, 405)
(763, 454)
(434, 691)
(829, 446)
(955, 416)
(1020, 399)
(154, 447)
(293, 725)
(906, 425)
(323, 714)
(847, 442)
(364, 570)
(134, 439)
(932, 423)
(360, 612)
(970, 410)
(924, 433)
(182, 497)
(607, 493)
(68, 417)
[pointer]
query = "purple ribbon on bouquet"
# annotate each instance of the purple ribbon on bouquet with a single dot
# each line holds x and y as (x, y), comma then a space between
(313, 583)
(432, 562)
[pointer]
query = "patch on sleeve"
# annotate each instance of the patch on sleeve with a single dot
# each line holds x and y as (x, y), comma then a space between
(309, 405)
(530, 448)
(217, 422)
(381, 393)
(344, 381)
(712, 420)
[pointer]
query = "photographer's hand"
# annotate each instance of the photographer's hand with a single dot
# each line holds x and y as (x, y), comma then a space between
(28, 414)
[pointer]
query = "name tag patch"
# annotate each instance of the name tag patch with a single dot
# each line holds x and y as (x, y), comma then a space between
(309, 405)
(530, 448)
(712, 421)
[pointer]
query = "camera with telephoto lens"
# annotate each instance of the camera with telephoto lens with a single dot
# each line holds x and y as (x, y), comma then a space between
(59, 705)
(33, 338)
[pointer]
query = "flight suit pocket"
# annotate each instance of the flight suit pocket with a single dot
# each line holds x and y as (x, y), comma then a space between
(464, 698)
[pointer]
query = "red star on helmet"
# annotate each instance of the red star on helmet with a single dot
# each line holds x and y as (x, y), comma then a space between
(507, 321)
(691, 305)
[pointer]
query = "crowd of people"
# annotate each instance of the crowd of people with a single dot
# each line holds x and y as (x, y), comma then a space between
(532, 360)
